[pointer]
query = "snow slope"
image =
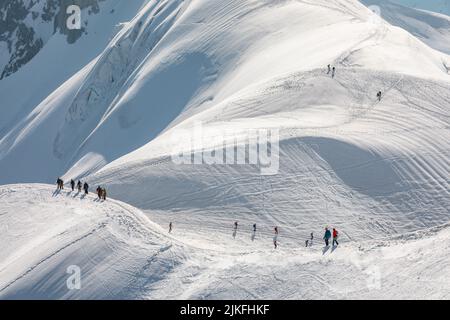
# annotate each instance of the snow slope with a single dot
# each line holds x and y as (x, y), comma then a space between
(376, 170)
(440, 6)
(122, 254)
(175, 59)
(28, 121)
(430, 27)
(115, 245)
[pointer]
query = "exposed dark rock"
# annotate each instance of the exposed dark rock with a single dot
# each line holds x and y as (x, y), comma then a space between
(23, 41)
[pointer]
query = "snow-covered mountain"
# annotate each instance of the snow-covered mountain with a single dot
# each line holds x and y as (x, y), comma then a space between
(109, 108)
(439, 6)
(27, 25)
(430, 27)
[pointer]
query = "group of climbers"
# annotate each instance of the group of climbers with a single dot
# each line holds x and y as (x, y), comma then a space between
(80, 185)
(334, 234)
(101, 193)
(331, 70)
(333, 74)
(328, 236)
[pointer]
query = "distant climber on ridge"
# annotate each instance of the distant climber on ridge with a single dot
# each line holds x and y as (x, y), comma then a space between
(309, 241)
(79, 185)
(329, 69)
(379, 95)
(86, 188)
(72, 184)
(334, 72)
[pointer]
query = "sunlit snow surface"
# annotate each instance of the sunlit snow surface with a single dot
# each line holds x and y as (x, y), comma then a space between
(123, 255)
(440, 6)
(376, 170)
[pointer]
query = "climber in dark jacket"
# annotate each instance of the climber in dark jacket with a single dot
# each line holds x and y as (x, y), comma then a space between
(327, 236)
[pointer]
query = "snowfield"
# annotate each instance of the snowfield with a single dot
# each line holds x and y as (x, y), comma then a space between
(118, 113)
(123, 255)
(179, 61)
(430, 27)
